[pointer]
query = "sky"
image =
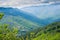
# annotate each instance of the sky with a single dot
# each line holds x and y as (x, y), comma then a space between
(21, 3)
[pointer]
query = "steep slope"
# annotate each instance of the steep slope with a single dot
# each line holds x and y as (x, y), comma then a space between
(50, 32)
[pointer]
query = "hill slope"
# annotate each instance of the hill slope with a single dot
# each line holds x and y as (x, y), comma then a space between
(47, 13)
(18, 21)
(17, 12)
(29, 14)
(50, 32)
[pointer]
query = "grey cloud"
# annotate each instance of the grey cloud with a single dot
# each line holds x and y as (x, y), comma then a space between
(46, 1)
(17, 2)
(23, 2)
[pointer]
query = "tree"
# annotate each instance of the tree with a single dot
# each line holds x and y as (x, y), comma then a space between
(7, 34)
(1, 15)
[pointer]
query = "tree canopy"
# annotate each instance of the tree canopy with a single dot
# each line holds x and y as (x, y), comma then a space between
(1, 15)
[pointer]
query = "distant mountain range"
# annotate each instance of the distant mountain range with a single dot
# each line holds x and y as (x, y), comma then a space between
(46, 13)
(20, 19)
(30, 18)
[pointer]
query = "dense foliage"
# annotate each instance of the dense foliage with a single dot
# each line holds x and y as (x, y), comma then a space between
(6, 33)
(1, 15)
(50, 32)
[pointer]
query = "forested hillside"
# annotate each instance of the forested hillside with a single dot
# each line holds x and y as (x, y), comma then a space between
(48, 32)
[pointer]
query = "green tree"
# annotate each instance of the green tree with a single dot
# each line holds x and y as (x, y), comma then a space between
(7, 34)
(1, 15)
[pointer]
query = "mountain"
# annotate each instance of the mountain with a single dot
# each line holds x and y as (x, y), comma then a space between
(33, 23)
(16, 18)
(18, 12)
(41, 14)
(48, 13)
(41, 10)
(50, 32)
(32, 17)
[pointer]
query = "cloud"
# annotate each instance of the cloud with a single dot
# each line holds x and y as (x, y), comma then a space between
(17, 2)
(45, 1)
(21, 3)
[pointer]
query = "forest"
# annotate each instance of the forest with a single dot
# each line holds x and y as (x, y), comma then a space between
(48, 32)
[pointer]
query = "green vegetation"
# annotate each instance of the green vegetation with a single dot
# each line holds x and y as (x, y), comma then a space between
(19, 22)
(6, 33)
(1, 15)
(49, 32)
